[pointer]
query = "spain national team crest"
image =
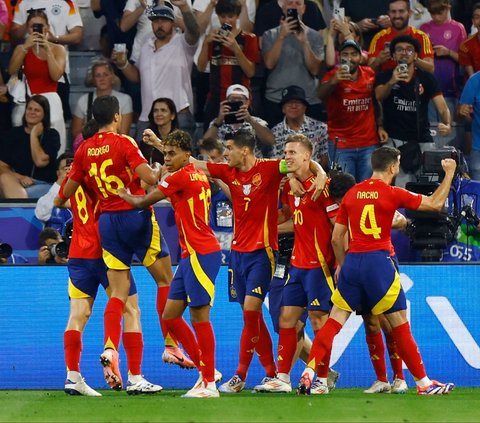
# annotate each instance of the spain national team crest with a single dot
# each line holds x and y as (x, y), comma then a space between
(296, 201)
(257, 179)
(247, 188)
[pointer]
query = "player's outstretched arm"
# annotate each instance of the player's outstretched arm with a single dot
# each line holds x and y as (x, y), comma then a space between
(200, 164)
(436, 201)
(68, 190)
(141, 201)
(149, 174)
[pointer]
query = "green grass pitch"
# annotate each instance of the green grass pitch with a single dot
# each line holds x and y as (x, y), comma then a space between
(342, 405)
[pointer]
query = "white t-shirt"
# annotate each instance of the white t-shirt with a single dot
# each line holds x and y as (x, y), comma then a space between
(144, 25)
(165, 72)
(63, 16)
(82, 104)
(201, 6)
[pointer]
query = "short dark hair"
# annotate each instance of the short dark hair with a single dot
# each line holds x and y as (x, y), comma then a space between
(65, 156)
(225, 7)
(244, 138)
(104, 109)
(45, 105)
(475, 7)
(90, 129)
(406, 1)
(405, 39)
(37, 13)
(48, 233)
(180, 139)
(209, 144)
(384, 157)
(302, 139)
(340, 183)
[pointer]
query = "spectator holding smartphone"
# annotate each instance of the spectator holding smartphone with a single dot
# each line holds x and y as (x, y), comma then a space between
(234, 115)
(231, 53)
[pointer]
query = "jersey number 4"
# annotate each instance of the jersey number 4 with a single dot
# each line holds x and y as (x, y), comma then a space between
(368, 222)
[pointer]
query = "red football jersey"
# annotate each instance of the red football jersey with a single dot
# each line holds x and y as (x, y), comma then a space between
(255, 203)
(85, 242)
(107, 162)
(313, 230)
(368, 209)
(350, 110)
(388, 34)
(189, 192)
(469, 52)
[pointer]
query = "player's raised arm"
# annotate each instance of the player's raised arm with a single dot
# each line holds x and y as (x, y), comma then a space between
(141, 201)
(200, 164)
(436, 201)
(149, 174)
(320, 179)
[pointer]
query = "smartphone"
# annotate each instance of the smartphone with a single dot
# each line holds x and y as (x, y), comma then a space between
(293, 13)
(345, 65)
(225, 30)
(37, 27)
(339, 13)
(234, 108)
(403, 67)
(374, 21)
(386, 46)
(69, 162)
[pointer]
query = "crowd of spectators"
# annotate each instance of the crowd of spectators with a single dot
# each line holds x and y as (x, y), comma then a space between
(350, 75)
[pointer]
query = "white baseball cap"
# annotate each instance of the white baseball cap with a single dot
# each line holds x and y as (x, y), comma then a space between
(238, 89)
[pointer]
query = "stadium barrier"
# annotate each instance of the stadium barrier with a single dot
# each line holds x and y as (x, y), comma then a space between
(34, 306)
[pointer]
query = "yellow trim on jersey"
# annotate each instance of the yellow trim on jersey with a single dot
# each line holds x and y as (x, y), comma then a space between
(112, 262)
(155, 246)
(373, 43)
(266, 242)
(425, 40)
(323, 263)
(339, 301)
(288, 278)
(74, 292)
(191, 206)
(109, 344)
(200, 274)
(389, 298)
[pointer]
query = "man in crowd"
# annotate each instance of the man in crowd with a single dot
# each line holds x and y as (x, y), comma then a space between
(351, 109)
(165, 64)
(379, 54)
(366, 274)
(294, 106)
(405, 93)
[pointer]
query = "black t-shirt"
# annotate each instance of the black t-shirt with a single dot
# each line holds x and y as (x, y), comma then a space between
(269, 15)
(399, 108)
(15, 151)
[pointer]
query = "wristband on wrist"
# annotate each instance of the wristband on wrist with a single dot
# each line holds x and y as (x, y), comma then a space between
(124, 66)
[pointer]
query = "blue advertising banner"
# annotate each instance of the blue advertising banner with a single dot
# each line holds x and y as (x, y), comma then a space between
(443, 312)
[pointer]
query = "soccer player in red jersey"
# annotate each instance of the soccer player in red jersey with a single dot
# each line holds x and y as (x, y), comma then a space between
(379, 54)
(105, 163)
(254, 186)
(367, 276)
(194, 282)
(310, 282)
(86, 272)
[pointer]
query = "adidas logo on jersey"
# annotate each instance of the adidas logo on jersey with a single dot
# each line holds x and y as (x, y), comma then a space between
(315, 302)
(257, 290)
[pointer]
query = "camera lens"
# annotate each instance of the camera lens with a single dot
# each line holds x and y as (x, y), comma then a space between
(59, 250)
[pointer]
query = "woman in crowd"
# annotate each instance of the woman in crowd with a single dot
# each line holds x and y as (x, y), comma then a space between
(163, 120)
(43, 65)
(28, 153)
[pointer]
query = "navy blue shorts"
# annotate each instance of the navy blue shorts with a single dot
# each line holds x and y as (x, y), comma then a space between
(250, 274)
(369, 281)
(309, 288)
(130, 232)
(194, 279)
(85, 276)
(275, 297)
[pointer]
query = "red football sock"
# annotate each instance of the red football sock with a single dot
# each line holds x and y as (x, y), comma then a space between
(376, 349)
(72, 345)
(264, 349)
(180, 329)
(112, 321)
(133, 344)
(322, 343)
(248, 341)
(287, 345)
(408, 350)
(395, 360)
(206, 342)
(324, 366)
(162, 296)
